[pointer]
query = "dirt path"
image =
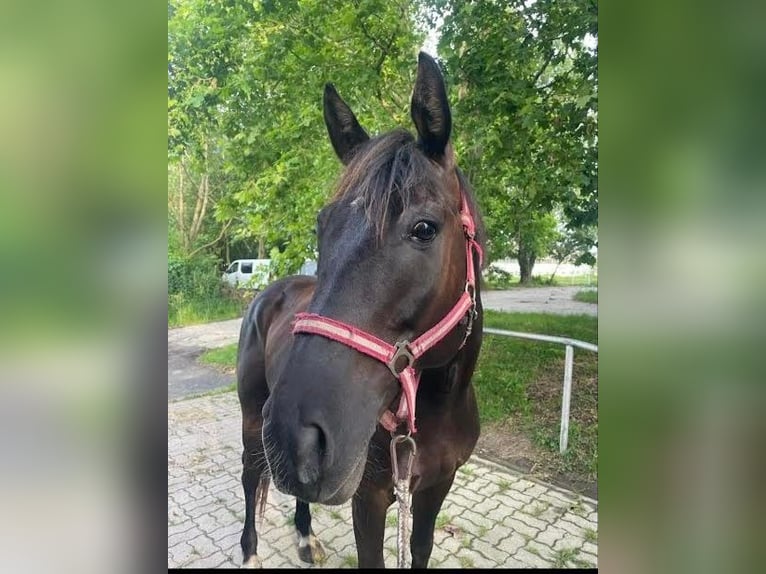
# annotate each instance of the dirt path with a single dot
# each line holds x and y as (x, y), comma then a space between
(186, 376)
(557, 300)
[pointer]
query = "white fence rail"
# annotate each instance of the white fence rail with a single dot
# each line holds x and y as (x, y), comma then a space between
(566, 394)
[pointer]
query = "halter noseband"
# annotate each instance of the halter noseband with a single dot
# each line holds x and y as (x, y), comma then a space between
(392, 355)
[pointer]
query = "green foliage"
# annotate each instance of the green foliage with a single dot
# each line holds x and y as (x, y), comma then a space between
(496, 278)
(183, 310)
(524, 87)
(196, 278)
(574, 245)
(196, 293)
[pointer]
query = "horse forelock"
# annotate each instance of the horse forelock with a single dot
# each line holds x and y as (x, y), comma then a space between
(385, 176)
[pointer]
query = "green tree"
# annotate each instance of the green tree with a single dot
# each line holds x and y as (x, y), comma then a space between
(524, 82)
(253, 74)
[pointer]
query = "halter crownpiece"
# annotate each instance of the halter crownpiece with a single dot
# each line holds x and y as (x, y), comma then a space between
(401, 356)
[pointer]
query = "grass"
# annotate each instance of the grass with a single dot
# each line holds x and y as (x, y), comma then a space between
(221, 357)
(539, 509)
(350, 561)
(465, 562)
(586, 296)
(503, 485)
(578, 508)
(522, 380)
(590, 535)
(442, 520)
(502, 281)
(562, 557)
(466, 470)
(184, 311)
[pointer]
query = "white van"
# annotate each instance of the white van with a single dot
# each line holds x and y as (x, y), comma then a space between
(248, 273)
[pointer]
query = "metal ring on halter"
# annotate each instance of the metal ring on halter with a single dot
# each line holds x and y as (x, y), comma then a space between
(470, 288)
(395, 460)
(402, 350)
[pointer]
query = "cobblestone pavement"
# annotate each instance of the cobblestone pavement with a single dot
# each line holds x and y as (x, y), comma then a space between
(492, 517)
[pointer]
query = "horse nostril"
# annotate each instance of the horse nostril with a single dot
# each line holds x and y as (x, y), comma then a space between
(311, 450)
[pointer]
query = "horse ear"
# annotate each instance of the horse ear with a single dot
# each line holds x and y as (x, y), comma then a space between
(430, 108)
(345, 132)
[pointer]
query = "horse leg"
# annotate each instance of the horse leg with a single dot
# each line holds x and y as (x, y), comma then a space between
(425, 506)
(309, 548)
(369, 512)
(253, 464)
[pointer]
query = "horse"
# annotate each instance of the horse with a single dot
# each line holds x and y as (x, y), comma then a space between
(400, 246)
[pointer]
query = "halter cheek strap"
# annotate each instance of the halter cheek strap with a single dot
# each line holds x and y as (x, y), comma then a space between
(401, 356)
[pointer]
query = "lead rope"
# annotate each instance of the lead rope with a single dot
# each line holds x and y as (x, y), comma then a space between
(403, 496)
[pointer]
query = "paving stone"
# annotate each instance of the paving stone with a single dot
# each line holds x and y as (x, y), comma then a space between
(501, 513)
(520, 527)
(209, 504)
(227, 530)
(530, 520)
(568, 541)
(529, 560)
(185, 535)
(451, 562)
(587, 557)
(179, 554)
(550, 535)
(511, 543)
(494, 554)
(570, 528)
(512, 562)
(473, 497)
(477, 519)
(486, 505)
(212, 561)
(512, 497)
(590, 548)
(543, 551)
(177, 522)
(204, 546)
(578, 520)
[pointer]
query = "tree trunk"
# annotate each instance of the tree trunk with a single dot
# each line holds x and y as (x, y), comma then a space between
(261, 248)
(526, 264)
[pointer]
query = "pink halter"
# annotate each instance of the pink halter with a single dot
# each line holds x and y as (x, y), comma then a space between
(390, 355)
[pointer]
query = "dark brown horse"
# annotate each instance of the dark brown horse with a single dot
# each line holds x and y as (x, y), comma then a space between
(392, 262)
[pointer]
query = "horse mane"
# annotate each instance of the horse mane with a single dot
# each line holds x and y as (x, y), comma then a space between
(387, 171)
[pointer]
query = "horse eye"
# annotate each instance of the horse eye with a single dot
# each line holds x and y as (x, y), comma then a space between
(423, 231)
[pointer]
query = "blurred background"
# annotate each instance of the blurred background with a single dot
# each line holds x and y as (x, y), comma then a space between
(84, 144)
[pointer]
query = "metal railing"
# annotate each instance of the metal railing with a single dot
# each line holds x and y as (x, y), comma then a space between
(570, 344)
